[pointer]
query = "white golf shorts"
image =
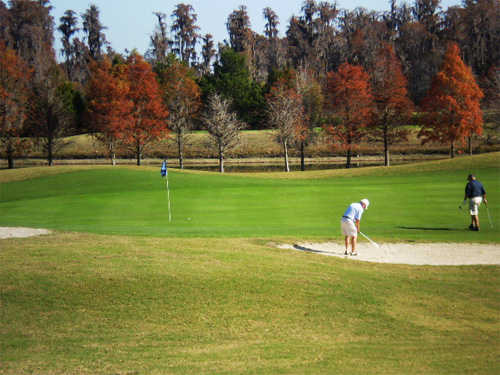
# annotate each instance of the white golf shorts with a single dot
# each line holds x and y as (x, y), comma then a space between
(474, 205)
(348, 228)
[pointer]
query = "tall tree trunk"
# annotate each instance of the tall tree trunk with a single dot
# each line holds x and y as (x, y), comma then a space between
(452, 150)
(10, 159)
(138, 154)
(469, 140)
(180, 147)
(221, 159)
(50, 146)
(285, 149)
(348, 159)
(386, 147)
(10, 153)
(111, 153)
(302, 157)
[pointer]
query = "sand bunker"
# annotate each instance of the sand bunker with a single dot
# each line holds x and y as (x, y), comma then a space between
(20, 232)
(449, 254)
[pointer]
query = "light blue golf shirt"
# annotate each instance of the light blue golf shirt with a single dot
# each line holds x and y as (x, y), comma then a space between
(353, 212)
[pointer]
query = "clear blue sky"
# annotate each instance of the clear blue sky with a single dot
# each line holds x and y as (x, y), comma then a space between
(130, 23)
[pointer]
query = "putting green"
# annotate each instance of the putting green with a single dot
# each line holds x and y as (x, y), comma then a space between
(407, 203)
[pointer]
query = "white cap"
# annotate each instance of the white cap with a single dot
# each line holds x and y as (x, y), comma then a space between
(366, 202)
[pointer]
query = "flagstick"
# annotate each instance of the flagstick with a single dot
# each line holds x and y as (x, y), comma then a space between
(168, 195)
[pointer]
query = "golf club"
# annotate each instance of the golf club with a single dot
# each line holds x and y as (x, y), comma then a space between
(369, 239)
(489, 216)
(461, 204)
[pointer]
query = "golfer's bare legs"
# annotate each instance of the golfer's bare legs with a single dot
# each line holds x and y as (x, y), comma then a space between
(475, 221)
(353, 244)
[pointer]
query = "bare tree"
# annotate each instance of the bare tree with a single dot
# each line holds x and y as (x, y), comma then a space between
(222, 125)
(311, 95)
(285, 113)
(51, 113)
(182, 96)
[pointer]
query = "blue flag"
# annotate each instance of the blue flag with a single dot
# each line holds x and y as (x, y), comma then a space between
(164, 171)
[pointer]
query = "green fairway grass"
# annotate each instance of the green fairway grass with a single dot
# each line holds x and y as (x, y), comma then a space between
(408, 203)
(95, 304)
(117, 289)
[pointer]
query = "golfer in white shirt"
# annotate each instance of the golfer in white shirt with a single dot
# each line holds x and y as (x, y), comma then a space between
(350, 223)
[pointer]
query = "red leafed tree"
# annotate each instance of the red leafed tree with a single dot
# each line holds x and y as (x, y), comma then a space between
(147, 119)
(393, 106)
(452, 106)
(182, 96)
(351, 103)
(108, 105)
(14, 76)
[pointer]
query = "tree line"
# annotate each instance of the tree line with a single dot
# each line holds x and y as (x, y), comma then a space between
(353, 74)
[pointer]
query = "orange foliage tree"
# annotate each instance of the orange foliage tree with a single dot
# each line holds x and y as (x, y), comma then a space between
(182, 96)
(393, 106)
(109, 109)
(147, 121)
(452, 106)
(350, 100)
(14, 77)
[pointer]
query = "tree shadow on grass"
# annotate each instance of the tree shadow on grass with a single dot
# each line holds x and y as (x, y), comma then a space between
(427, 228)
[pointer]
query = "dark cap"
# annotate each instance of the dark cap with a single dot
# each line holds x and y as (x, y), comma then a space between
(471, 177)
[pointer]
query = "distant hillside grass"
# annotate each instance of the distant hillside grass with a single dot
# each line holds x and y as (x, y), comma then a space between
(261, 144)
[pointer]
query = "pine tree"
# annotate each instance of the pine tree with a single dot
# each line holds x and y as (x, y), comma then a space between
(182, 96)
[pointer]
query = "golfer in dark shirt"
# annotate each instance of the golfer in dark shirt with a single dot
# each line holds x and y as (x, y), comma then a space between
(474, 191)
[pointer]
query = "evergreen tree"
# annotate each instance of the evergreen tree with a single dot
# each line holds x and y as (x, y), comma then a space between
(68, 27)
(185, 32)
(93, 29)
(231, 79)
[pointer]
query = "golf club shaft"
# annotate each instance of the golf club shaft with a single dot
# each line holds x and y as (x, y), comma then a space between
(369, 239)
(489, 216)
